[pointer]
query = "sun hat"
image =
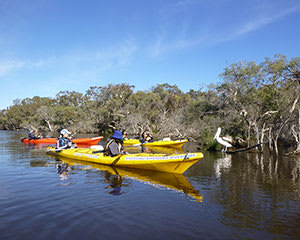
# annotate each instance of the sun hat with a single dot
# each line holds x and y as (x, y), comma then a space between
(117, 135)
(64, 131)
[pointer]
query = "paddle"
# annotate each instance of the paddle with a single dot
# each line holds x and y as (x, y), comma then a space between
(27, 129)
(116, 160)
(185, 158)
(73, 134)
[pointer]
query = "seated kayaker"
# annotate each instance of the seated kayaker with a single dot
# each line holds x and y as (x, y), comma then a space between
(64, 141)
(34, 134)
(124, 135)
(114, 145)
(146, 137)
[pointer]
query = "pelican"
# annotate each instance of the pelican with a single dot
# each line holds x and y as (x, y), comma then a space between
(225, 141)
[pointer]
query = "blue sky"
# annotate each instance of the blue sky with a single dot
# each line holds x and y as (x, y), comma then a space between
(51, 46)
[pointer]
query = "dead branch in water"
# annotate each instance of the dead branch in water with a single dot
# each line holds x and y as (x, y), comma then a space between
(245, 149)
(296, 152)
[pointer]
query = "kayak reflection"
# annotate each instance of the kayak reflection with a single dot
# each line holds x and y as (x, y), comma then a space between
(114, 176)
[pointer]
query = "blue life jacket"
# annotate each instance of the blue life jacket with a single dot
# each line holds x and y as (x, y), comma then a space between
(63, 142)
(31, 136)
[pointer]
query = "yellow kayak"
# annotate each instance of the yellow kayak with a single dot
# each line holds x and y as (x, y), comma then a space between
(132, 142)
(175, 163)
(161, 143)
(175, 182)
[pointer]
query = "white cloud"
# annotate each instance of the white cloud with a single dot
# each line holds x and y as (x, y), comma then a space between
(262, 21)
(7, 67)
(173, 34)
(103, 60)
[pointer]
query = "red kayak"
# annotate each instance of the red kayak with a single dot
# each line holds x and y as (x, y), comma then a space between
(85, 141)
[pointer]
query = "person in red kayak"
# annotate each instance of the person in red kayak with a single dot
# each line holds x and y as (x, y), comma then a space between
(34, 134)
(64, 141)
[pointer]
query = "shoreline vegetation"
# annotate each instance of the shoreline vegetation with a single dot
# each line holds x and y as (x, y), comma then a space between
(255, 103)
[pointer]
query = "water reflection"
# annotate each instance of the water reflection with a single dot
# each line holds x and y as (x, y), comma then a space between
(114, 181)
(257, 197)
(63, 169)
(258, 192)
(40, 163)
(115, 177)
(222, 164)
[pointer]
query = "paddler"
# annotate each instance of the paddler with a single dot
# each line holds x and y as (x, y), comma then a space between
(64, 141)
(114, 145)
(125, 135)
(146, 137)
(34, 134)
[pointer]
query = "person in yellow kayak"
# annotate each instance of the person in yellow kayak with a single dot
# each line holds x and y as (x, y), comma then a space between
(64, 141)
(125, 135)
(146, 137)
(114, 145)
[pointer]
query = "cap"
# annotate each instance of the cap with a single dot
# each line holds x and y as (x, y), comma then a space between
(64, 131)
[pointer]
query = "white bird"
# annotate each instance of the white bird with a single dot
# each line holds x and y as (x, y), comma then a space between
(225, 141)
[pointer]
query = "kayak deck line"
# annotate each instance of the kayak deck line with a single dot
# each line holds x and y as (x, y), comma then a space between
(167, 143)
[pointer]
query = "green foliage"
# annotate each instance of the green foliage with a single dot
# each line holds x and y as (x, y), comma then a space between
(240, 105)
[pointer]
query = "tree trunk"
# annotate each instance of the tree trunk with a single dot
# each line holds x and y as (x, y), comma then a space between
(277, 137)
(276, 145)
(298, 145)
(49, 125)
(262, 137)
(248, 138)
(270, 139)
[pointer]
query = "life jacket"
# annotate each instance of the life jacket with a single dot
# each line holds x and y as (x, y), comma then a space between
(32, 136)
(106, 149)
(62, 141)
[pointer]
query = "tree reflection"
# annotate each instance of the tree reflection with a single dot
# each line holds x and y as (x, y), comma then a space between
(258, 193)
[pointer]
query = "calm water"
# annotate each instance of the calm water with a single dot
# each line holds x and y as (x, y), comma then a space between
(241, 196)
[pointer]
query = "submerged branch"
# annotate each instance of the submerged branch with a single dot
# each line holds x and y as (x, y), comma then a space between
(246, 149)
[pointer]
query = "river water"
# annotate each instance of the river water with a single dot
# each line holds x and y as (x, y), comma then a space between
(222, 196)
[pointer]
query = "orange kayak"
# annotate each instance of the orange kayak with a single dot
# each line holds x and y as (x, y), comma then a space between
(86, 141)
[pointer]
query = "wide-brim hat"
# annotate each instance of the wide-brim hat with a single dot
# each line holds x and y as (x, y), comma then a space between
(117, 135)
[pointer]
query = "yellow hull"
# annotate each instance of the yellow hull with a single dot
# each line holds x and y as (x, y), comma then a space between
(162, 143)
(175, 163)
(132, 142)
